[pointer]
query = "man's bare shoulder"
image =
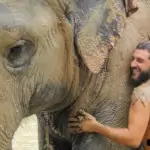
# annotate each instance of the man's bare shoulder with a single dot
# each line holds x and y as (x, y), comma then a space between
(142, 93)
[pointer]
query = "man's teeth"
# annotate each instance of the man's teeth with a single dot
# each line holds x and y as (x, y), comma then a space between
(135, 70)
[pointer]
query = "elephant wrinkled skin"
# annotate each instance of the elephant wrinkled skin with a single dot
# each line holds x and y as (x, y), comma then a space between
(63, 55)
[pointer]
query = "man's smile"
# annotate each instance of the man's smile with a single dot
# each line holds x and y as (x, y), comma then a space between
(136, 71)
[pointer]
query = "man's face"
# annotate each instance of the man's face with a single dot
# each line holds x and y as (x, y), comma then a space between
(140, 66)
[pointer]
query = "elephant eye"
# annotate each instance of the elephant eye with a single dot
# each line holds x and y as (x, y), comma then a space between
(19, 55)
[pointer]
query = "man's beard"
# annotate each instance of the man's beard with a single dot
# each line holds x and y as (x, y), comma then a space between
(143, 77)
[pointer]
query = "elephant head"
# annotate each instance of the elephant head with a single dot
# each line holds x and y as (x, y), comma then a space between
(37, 63)
(45, 47)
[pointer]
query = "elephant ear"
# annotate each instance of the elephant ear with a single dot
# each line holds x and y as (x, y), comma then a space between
(98, 25)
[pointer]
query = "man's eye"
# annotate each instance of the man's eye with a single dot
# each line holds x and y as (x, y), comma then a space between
(140, 60)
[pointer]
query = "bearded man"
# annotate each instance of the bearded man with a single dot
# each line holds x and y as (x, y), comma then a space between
(137, 134)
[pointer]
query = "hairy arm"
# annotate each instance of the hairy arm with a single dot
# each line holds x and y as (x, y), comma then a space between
(132, 136)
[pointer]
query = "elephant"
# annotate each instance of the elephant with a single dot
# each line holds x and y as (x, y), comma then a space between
(58, 56)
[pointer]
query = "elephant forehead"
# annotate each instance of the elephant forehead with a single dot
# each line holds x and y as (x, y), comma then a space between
(7, 24)
(6, 16)
(12, 15)
(22, 16)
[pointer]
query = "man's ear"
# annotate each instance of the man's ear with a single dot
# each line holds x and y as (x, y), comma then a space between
(97, 25)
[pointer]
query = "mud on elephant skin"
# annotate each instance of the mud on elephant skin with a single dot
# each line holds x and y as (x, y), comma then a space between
(50, 53)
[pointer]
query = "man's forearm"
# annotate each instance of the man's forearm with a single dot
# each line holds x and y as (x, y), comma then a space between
(119, 135)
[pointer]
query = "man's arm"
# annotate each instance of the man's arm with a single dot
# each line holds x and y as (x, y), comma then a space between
(132, 136)
(137, 123)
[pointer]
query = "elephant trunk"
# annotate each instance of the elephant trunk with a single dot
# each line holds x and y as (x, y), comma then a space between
(11, 112)
(9, 121)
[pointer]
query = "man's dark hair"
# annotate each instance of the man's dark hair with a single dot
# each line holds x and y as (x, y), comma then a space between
(144, 46)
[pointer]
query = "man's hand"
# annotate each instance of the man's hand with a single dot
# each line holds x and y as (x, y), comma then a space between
(83, 122)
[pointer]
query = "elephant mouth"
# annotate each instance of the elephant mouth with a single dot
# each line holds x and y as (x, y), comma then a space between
(50, 97)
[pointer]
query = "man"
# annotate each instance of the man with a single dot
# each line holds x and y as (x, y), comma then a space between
(138, 130)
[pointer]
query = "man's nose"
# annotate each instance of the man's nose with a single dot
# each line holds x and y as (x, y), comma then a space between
(133, 63)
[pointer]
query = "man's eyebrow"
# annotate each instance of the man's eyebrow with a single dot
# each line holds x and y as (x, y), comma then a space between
(139, 58)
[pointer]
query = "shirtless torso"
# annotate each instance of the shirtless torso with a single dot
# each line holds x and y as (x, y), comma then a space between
(142, 93)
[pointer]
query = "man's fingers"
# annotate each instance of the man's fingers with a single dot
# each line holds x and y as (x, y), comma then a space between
(74, 125)
(75, 130)
(77, 119)
(73, 120)
(78, 131)
(80, 118)
(81, 112)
